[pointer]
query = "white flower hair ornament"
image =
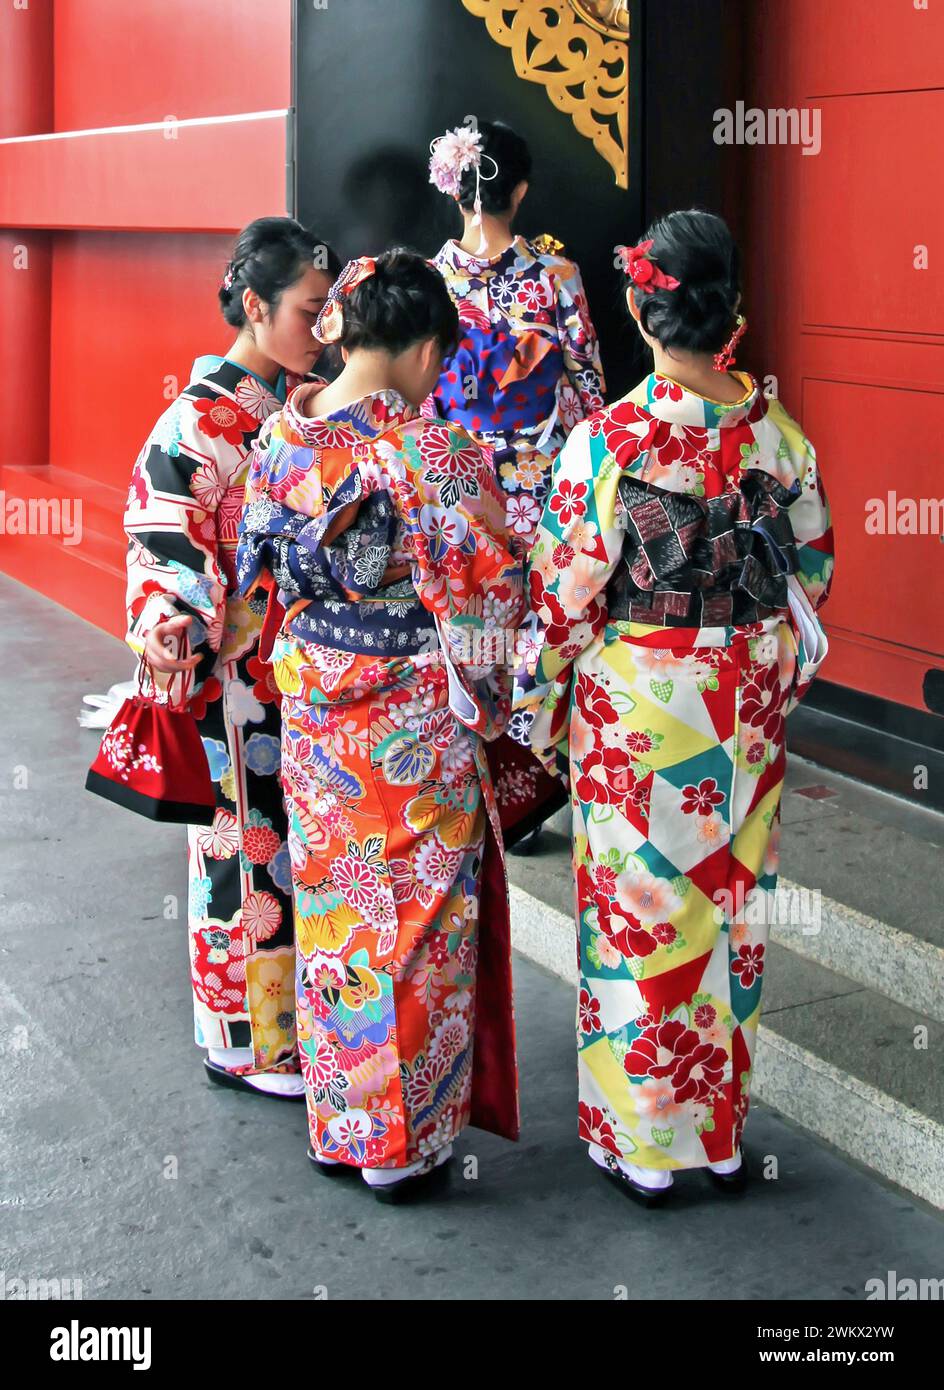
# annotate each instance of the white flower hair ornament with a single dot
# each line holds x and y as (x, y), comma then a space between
(453, 153)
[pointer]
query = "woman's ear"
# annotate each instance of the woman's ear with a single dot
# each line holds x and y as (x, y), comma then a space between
(428, 350)
(253, 306)
(631, 303)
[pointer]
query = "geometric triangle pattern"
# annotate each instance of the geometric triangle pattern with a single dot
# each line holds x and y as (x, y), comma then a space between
(667, 849)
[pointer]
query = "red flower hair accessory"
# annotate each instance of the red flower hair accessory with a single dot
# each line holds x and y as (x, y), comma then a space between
(725, 358)
(330, 322)
(642, 269)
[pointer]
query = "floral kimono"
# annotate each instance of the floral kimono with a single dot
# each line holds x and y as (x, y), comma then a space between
(403, 985)
(182, 520)
(679, 537)
(527, 367)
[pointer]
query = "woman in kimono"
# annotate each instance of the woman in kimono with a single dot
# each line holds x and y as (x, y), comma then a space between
(389, 686)
(683, 550)
(182, 516)
(527, 367)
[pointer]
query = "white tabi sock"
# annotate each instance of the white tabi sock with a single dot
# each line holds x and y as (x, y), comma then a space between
(230, 1057)
(656, 1178)
(727, 1165)
(278, 1083)
(383, 1177)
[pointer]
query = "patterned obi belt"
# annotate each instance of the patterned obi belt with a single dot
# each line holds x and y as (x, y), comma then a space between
(703, 561)
(394, 623)
(515, 376)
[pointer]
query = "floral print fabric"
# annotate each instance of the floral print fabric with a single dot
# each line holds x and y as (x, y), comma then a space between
(671, 740)
(527, 367)
(182, 518)
(403, 976)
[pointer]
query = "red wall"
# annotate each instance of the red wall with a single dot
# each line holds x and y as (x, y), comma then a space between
(123, 61)
(159, 299)
(839, 313)
(122, 293)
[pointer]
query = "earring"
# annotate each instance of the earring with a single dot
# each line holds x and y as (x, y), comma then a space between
(725, 358)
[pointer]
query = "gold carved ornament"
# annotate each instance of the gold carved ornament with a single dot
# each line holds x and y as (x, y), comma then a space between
(579, 51)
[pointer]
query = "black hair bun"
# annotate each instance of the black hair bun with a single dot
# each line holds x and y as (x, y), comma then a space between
(697, 248)
(404, 301)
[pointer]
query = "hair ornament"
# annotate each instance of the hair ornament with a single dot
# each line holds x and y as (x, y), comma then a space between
(725, 358)
(229, 277)
(329, 324)
(450, 155)
(642, 269)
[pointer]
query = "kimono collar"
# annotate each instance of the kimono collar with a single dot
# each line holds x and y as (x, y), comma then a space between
(466, 262)
(225, 373)
(668, 400)
(367, 418)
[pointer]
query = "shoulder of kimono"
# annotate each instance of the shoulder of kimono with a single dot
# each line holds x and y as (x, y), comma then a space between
(791, 429)
(631, 409)
(560, 267)
(212, 387)
(563, 272)
(221, 380)
(178, 428)
(415, 429)
(276, 431)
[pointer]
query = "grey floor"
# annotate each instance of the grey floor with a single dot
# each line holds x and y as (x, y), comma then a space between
(121, 1167)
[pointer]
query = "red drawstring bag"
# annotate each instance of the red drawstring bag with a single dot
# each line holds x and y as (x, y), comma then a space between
(152, 759)
(525, 794)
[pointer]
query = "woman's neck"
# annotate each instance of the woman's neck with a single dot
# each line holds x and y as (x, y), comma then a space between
(696, 372)
(245, 353)
(362, 376)
(496, 231)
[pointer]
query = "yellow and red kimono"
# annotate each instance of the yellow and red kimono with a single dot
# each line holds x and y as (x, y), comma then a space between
(403, 968)
(681, 539)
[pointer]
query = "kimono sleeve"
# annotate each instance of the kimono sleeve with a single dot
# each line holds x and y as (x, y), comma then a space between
(577, 547)
(810, 515)
(811, 522)
(467, 571)
(578, 339)
(173, 562)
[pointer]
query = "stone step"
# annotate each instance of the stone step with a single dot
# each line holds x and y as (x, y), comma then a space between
(902, 967)
(847, 1063)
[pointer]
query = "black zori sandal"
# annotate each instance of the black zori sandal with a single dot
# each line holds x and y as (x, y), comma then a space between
(221, 1077)
(647, 1196)
(731, 1183)
(331, 1170)
(418, 1184)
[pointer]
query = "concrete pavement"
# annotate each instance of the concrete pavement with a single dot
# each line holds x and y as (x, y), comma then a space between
(123, 1168)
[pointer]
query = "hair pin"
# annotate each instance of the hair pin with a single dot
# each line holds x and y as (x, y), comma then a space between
(725, 358)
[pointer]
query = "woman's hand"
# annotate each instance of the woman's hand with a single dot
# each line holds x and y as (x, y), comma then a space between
(162, 640)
